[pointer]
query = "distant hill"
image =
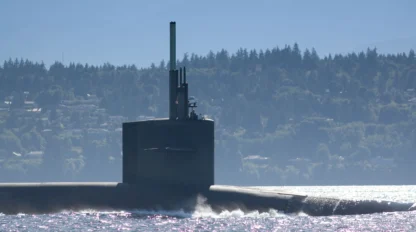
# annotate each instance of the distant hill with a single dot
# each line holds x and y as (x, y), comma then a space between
(283, 116)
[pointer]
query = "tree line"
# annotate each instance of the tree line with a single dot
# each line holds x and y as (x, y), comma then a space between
(312, 119)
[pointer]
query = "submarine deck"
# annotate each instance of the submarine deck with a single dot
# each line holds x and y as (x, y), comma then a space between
(58, 184)
(115, 184)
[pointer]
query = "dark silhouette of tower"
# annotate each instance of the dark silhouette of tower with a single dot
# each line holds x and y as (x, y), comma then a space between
(177, 152)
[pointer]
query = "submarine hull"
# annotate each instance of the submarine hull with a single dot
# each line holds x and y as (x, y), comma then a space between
(55, 197)
(39, 198)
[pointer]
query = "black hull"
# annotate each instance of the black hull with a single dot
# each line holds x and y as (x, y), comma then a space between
(55, 197)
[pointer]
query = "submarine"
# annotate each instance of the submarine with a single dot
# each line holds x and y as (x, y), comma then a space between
(168, 164)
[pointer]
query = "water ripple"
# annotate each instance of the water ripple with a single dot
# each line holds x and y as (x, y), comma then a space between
(204, 219)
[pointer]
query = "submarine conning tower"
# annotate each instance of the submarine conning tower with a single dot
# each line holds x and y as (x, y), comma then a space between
(176, 152)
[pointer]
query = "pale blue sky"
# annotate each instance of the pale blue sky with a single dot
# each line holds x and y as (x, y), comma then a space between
(136, 32)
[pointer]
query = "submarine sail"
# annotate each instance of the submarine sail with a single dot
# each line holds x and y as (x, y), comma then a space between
(176, 152)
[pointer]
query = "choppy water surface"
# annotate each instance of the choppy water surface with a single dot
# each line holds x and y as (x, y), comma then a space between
(205, 220)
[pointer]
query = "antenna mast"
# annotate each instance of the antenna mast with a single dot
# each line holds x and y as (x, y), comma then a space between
(178, 87)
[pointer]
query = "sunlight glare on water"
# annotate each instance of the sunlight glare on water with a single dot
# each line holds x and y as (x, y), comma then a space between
(204, 219)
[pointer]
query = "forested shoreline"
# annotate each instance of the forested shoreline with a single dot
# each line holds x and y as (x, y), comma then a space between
(283, 116)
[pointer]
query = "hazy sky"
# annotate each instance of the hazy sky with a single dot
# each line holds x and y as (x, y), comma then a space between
(137, 32)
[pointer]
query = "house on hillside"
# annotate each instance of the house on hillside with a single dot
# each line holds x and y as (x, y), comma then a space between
(5, 105)
(97, 134)
(29, 104)
(300, 163)
(116, 120)
(34, 154)
(257, 159)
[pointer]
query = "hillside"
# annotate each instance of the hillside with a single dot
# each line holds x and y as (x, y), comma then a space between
(282, 116)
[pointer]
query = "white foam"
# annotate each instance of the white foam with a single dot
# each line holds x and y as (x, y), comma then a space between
(202, 210)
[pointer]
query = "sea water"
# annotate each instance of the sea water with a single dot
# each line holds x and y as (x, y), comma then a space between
(204, 219)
